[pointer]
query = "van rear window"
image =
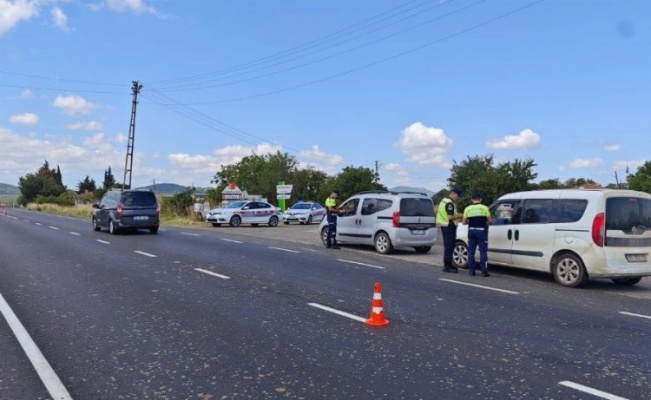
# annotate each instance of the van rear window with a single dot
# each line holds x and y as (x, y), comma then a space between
(628, 214)
(411, 207)
(140, 199)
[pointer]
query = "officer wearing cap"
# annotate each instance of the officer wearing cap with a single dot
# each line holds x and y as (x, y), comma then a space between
(477, 216)
(447, 218)
(332, 210)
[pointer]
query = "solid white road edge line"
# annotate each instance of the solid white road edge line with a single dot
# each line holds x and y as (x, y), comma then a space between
(43, 368)
(190, 234)
(281, 249)
(75, 233)
(231, 240)
(479, 286)
(589, 390)
(102, 241)
(360, 263)
(635, 315)
(144, 254)
(335, 311)
(212, 273)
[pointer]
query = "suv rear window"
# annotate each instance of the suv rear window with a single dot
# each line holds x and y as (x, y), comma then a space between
(628, 214)
(139, 199)
(414, 207)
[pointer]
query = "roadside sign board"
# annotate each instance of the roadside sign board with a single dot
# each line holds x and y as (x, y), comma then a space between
(283, 189)
(283, 196)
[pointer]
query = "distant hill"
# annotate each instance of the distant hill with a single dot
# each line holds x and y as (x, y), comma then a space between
(165, 188)
(9, 189)
(412, 189)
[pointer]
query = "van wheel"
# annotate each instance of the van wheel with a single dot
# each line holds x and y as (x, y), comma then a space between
(235, 221)
(569, 271)
(423, 249)
(383, 243)
(324, 235)
(112, 229)
(153, 230)
(96, 227)
(627, 281)
(460, 255)
(273, 221)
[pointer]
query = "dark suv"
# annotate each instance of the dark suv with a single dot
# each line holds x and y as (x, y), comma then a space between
(127, 209)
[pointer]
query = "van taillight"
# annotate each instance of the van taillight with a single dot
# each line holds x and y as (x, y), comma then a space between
(118, 210)
(157, 208)
(396, 219)
(598, 230)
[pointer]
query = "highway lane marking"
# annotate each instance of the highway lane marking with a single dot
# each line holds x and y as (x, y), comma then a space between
(282, 249)
(338, 312)
(189, 234)
(231, 240)
(38, 223)
(479, 286)
(145, 254)
(360, 263)
(212, 273)
(75, 233)
(53, 227)
(102, 241)
(43, 368)
(589, 390)
(635, 315)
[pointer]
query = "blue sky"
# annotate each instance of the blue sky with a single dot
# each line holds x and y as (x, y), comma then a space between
(410, 84)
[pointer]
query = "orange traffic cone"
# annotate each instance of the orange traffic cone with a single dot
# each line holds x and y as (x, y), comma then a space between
(377, 310)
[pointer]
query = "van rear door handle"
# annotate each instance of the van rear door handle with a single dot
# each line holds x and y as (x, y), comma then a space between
(517, 234)
(509, 234)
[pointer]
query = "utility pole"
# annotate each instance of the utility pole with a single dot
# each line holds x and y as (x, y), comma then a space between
(128, 163)
(377, 171)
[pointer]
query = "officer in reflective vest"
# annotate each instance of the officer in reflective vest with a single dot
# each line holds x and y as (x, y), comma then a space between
(332, 209)
(447, 218)
(477, 216)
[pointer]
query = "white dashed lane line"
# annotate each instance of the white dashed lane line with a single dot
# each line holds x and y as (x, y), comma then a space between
(282, 249)
(39, 224)
(231, 240)
(43, 368)
(338, 312)
(203, 271)
(53, 227)
(360, 263)
(479, 286)
(589, 390)
(190, 234)
(145, 254)
(75, 233)
(102, 241)
(635, 315)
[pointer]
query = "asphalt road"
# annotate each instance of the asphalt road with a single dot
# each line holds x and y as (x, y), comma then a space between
(224, 313)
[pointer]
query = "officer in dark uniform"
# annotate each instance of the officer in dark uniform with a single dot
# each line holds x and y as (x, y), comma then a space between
(447, 218)
(332, 210)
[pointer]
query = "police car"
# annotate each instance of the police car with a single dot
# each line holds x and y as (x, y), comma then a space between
(304, 212)
(245, 212)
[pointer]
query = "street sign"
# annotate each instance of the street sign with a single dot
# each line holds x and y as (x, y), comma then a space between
(283, 196)
(282, 189)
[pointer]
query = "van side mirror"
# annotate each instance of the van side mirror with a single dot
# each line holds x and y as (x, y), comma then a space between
(96, 206)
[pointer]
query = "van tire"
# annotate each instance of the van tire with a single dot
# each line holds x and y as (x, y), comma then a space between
(383, 243)
(96, 226)
(153, 230)
(569, 271)
(460, 255)
(324, 235)
(112, 229)
(627, 281)
(423, 249)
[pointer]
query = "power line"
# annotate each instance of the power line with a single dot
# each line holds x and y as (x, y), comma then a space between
(58, 89)
(374, 63)
(51, 78)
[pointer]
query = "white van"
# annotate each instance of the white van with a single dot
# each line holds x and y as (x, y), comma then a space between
(386, 220)
(572, 233)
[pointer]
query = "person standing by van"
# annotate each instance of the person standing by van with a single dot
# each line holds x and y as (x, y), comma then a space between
(332, 210)
(477, 216)
(447, 218)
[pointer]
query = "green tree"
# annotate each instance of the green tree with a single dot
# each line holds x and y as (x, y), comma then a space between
(44, 182)
(309, 184)
(352, 180)
(641, 179)
(550, 184)
(87, 185)
(109, 180)
(577, 182)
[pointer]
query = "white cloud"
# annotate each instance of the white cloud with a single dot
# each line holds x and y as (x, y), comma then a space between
(523, 140)
(86, 126)
(59, 18)
(74, 105)
(320, 160)
(612, 147)
(425, 145)
(14, 12)
(586, 163)
(632, 165)
(134, 6)
(26, 94)
(25, 119)
(400, 176)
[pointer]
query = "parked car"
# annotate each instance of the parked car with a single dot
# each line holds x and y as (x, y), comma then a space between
(126, 210)
(386, 220)
(304, 212)
(245, 212)
(574, 234)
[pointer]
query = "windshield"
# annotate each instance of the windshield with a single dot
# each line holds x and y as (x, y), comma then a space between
(302, 206)
(237, 204)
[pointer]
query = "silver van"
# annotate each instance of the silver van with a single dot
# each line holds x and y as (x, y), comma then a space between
(386, 220)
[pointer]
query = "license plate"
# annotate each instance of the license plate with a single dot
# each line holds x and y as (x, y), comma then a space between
(636, 257)
(141, 218)
(420, 232)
